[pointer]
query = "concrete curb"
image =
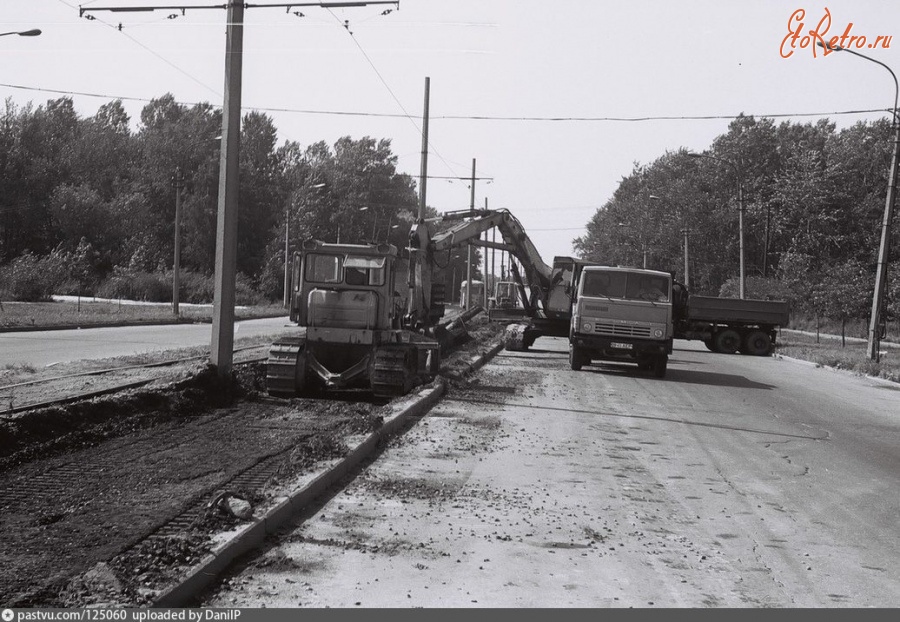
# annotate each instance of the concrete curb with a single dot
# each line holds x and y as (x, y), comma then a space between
(254, 534)
(832, 337)
(477, 362)
(876, 379)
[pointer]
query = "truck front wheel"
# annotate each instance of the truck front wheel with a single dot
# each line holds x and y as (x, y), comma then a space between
(756, 343)
(576, 358)
(659, 366)
(727, 341)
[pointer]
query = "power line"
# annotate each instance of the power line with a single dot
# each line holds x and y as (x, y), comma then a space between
(390, 115)
(387, 86)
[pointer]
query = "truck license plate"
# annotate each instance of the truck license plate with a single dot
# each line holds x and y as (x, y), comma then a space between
(623, 346)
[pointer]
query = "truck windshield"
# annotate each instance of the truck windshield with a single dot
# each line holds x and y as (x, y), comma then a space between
(627, 285)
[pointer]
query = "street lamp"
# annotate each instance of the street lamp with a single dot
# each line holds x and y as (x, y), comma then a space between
(873, 350)
(23, 33)
(737, 172)
(684, 230)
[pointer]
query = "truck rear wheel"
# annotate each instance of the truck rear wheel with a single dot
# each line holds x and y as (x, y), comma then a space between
(756, 343)
(727, 341)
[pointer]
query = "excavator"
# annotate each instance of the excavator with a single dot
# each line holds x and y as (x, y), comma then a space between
(357, 330)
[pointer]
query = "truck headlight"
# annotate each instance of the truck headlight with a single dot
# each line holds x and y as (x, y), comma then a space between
(658, 333)
(587, 327)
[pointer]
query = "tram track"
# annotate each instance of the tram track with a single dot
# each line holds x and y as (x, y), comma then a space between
(129, 493)
(8, 392)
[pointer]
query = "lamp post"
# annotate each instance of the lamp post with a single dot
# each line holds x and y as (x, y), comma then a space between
(737, 172)
(34, 32)
(873, 349)
(684, 230)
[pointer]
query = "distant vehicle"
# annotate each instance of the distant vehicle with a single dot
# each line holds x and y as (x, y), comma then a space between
(624, 315)
(505, 295)
(729, 325)
(477, 293)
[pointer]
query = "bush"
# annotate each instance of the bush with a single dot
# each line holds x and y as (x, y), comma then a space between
(193, 287)
(31, 278)
(146, 286)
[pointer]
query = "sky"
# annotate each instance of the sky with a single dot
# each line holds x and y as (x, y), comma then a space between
(555, 102)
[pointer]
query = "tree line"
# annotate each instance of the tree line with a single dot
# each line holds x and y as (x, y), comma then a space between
(87, 203)
(813, 203)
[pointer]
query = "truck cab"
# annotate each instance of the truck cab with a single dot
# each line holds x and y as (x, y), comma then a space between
(622, 314)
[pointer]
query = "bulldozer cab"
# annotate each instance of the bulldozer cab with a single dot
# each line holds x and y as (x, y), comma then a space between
(344, 286)
(506, 295)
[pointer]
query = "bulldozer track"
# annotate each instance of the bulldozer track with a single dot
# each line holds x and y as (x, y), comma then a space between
(391, 374)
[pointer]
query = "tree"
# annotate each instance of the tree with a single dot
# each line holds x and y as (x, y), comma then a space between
(844, 292)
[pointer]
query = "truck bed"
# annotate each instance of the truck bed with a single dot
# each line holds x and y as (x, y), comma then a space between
(727, 310)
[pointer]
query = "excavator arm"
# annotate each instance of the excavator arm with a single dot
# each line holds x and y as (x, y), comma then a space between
(425, 240)
(515, 240)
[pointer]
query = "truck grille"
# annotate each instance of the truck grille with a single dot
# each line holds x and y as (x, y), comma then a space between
(621, 330)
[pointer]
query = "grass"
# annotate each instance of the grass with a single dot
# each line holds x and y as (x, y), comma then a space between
(15, 315)
(828, 352)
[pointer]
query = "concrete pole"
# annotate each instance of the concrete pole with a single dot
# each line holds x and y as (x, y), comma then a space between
(469, 245)
(423, 171)
(873, 349)
(687, 278)
(485, 262)
(222, 346)
(494, 257)
(176, 262)
(743, 275)
(287, 255)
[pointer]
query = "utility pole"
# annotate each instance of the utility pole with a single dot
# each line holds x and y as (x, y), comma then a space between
(741, 208)
(873, 347)
(178, 182)
(287, 254)
(493, 254)
(423, 170)
(222, 346)
(469, 244)
(485, 261)
(417, 251)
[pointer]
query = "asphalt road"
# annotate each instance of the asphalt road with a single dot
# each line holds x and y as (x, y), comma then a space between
(734, 482)
(42, 348)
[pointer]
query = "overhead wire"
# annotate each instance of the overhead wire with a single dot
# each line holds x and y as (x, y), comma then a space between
(346, 26)
(391, 115)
